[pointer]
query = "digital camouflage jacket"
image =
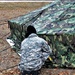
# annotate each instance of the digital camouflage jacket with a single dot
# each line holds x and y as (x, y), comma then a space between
(34, 52)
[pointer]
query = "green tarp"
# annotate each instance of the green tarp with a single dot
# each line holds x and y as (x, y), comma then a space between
(55, 23)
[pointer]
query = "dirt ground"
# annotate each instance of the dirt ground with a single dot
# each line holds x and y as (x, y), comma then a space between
(8, 57)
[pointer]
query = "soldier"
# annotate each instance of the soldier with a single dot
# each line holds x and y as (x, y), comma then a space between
(34, 52)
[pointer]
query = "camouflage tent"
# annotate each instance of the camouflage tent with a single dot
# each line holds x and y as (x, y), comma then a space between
(54, 22)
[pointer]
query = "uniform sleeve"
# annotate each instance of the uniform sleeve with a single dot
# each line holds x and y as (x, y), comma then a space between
(46, 50)
(21, 64)
(22, 47)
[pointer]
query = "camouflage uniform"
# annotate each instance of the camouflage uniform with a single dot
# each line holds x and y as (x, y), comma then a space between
(34, 52)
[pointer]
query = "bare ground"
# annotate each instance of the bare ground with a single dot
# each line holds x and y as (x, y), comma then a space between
(9, 58)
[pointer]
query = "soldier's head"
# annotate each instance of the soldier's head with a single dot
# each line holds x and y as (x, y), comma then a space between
(30, 30)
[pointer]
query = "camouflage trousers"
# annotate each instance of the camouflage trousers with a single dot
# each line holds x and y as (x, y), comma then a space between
(30, 72)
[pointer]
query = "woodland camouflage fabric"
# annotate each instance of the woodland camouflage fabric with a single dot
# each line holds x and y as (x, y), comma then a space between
(54, 22)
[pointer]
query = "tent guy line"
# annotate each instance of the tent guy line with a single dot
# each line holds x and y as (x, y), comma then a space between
(8, 68)
(5, 35)
(5, 49)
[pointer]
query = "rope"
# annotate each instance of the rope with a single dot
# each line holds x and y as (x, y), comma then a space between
(9, 68)
(5, 35)
(4, 49)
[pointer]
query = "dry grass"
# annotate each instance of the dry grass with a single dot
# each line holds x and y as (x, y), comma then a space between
(23, 5)
(10, 10)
